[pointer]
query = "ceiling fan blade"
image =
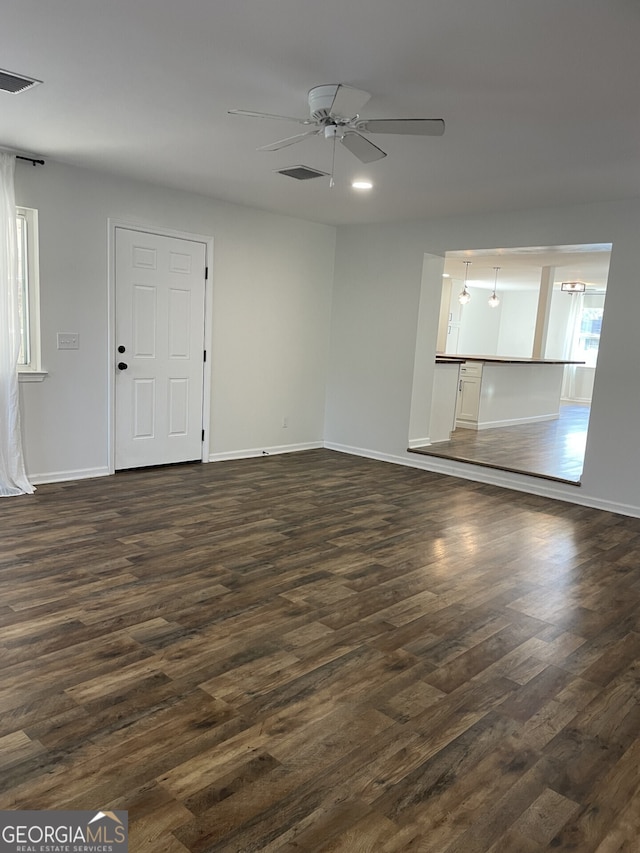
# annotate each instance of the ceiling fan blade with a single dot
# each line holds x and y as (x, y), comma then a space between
(407, 126)
(364, 150)
(252, 114)
(289, 140)
(348, 101)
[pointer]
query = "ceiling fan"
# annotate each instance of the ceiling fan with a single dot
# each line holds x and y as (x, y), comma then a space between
(335, 114)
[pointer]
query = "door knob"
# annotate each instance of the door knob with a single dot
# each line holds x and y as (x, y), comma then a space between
(122, 365)
(121, 348)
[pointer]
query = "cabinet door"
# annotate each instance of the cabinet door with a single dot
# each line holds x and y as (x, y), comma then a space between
(453, 333)
(468, 399)
(455, 308)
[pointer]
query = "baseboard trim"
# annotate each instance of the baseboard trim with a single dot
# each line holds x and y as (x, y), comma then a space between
(480, 425)
(89, 473)
(65, 476)
(250, 453)
(419, 442)
(492, 477)
(518, 421)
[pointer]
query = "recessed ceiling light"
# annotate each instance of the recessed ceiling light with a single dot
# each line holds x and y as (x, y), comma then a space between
(361, 185)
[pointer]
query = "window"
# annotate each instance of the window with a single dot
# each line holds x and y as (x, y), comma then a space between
(28, 290)
(587, 338)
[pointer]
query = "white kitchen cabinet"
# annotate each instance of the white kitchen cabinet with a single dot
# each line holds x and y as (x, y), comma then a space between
(455, 308)
(454, 321)
(469, 387)
(453, 335)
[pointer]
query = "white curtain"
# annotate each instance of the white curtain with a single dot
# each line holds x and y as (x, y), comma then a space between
(571, 336)
(13, 479)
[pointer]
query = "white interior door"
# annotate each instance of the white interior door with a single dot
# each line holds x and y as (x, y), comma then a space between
(159, 339)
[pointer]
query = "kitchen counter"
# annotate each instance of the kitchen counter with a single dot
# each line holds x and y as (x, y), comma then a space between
(498, 391)
(502, 359)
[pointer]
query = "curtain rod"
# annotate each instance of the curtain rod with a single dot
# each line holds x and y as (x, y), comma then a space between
(31, 160)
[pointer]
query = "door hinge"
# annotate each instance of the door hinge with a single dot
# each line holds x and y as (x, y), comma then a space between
(206, 273)
(202, 439)
(205, 356)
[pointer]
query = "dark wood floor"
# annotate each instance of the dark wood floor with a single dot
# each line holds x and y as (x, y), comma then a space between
(318, 652)
(553, 450)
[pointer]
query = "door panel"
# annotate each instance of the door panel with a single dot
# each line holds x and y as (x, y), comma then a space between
(179, 323)
(144, 315)
(178, 406)
(160, 284)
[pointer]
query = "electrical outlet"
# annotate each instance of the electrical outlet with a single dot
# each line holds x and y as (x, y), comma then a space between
(68, 340)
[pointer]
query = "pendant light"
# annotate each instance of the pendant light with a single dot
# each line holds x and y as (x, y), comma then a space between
(494, 299)
(465, 296)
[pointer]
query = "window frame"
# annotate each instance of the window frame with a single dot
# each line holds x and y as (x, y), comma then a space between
(588, 352)
(32, 371)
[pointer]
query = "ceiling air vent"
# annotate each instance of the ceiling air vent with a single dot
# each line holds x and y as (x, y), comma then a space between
(14, 83)
(302, 173)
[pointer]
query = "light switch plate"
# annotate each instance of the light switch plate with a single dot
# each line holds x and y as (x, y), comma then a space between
(68, 340)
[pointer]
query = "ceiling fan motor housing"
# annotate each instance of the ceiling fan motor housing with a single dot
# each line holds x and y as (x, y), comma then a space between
(321, 99)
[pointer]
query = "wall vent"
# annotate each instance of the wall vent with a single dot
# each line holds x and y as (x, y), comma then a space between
(302, 173)
(15, 83)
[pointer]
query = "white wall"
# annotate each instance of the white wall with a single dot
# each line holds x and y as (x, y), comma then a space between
(375, 305)
(271, 279)
(480, 324)
(517, 323)
(507, 329)
(423, 378)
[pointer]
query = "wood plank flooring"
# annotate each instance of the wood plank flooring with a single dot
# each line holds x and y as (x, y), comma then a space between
(553, 450)
(318, 652)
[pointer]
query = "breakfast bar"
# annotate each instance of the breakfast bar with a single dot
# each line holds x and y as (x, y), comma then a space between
(498, 391)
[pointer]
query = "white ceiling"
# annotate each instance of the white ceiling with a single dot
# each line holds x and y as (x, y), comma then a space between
(522, 268)
(540, 98)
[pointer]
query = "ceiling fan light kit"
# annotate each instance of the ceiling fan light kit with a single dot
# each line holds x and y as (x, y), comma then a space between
(335, 114)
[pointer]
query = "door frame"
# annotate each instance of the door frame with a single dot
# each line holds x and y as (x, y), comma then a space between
(112, 224)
